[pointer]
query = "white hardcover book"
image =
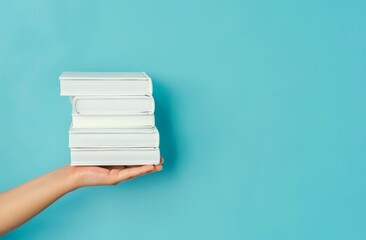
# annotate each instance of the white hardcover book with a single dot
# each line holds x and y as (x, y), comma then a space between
(112, 105)
(114, 156)
(93, 137)
(105, 83)
(113, 121)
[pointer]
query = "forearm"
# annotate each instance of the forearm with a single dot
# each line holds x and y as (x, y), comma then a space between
(22, 203)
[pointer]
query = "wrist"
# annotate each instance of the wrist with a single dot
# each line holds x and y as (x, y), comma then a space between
(68, 177)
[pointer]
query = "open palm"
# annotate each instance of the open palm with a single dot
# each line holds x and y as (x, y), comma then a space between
(94, 176)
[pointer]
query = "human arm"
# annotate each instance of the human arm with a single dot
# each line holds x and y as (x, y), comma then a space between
(20, 204)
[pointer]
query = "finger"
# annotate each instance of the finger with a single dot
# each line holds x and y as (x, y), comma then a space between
(158, 167)
(129, 173)
(131, 166)
(115, 167)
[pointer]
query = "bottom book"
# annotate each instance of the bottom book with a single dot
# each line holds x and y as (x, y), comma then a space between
(114, 156)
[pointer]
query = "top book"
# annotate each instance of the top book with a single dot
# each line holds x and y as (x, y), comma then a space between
(105, 83)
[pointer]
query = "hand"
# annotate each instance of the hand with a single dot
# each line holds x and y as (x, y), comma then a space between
(96, 176)
(20, 204)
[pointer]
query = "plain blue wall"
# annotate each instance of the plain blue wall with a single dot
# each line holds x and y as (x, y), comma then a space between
(261, 107)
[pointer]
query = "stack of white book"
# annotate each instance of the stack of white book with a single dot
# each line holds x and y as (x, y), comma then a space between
(113, 119)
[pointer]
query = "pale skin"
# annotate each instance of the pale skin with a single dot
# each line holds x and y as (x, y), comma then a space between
(20, 204)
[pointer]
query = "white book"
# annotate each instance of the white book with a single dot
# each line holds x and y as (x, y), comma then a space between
(113, 121)
(112, 105)
(105, 83)
(114, 156)
(93, 137)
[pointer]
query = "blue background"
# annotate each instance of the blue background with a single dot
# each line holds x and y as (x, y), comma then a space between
(260, 104)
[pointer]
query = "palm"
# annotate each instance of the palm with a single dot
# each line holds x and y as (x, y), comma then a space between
(91, 176)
